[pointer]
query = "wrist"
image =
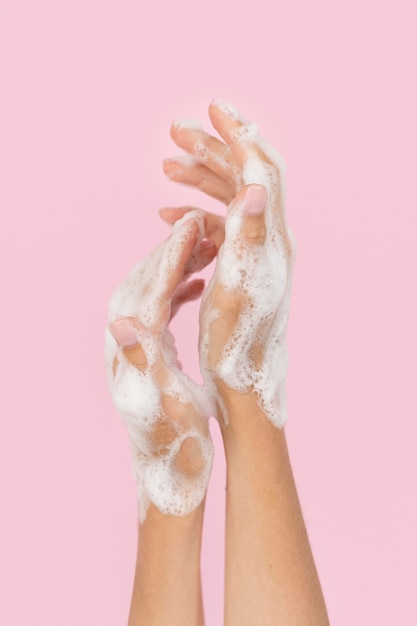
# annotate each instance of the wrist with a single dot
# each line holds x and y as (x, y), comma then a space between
(264, 405)
(167, 581)
(176, 537)
(248, 432)
(184, 525)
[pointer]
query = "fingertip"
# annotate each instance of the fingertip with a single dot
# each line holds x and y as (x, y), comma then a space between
(194, 289)
(185, 160)
(191, 225)
(249, 197)
(225, 107)
(208, 251)
(250, 203)
(188, 231)
(185, 124)
(215, 113)
(255, 200)
(171, 215)
(124, 332)
(172, 130)
(193, 219)
(207, 244)
(170, 168)
(165, 215)
(198, 286)
(166, 164)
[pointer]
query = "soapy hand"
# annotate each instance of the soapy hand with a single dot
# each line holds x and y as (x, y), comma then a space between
(244, 311)
(165, 412)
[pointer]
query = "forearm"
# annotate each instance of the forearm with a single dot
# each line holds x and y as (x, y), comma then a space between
(268, 557)
(167, 587)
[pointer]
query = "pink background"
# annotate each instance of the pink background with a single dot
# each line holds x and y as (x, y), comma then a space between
(88, 90)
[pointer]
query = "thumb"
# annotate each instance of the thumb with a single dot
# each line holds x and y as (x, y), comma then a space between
(253, 223)
(126, 331)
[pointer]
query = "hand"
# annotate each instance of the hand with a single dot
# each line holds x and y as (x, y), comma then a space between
(245, 308)
(164, 410)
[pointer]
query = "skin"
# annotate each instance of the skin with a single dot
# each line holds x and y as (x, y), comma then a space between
(265, 531)
(270, 576)
(167, 585)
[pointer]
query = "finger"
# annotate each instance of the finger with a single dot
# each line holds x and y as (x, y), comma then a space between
(214, 223)
(170, 215)
(260, 163)
(210, 151)
(190, 172)
(177, 253)
(250, 203)
(126, 331)
(240, 134)
(253, 226)
(202, 256)
(187, 292)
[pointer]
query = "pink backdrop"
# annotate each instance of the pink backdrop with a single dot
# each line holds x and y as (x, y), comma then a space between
(88, 90)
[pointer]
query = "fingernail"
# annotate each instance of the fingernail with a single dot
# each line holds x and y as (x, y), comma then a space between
(207, 244)
(124, 333)
(255, 200)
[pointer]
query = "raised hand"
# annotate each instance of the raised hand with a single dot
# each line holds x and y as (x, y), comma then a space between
(244, 311)
(165, 412)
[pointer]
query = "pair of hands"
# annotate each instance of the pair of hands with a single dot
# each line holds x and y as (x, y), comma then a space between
(243, 315)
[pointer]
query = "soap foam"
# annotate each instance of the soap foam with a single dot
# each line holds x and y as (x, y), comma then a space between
(138, 393)
(202, 153)
(259, 276)
(171, 491)
(229, 109)
(187, 124)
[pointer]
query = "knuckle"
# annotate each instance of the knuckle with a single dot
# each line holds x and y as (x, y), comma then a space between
(136, 356)
(254, 230)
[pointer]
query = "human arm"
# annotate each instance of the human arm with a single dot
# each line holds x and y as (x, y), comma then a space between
(270, 573)
(166, 418)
